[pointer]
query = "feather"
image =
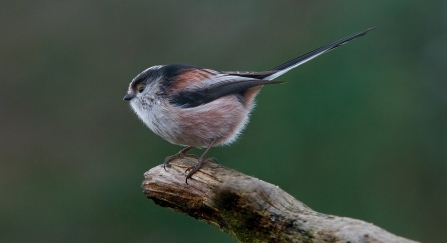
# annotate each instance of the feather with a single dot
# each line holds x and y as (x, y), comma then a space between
(287, 66)
(199, 95)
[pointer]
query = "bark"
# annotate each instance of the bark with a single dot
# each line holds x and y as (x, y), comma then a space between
(250, 209)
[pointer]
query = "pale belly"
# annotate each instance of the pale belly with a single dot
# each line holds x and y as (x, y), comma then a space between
(222, 120)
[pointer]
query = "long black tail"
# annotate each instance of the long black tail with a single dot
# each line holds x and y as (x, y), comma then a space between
(285, 67)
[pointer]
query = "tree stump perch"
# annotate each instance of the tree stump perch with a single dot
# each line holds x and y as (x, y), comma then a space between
(249, 209)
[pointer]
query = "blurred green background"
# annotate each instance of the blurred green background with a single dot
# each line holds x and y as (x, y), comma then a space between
(359, 132)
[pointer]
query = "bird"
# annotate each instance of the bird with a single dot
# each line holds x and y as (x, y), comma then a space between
(198, 107)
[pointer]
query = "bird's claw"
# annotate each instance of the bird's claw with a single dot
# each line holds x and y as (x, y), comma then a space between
(197, 167)
(214, 160)
(177, 156)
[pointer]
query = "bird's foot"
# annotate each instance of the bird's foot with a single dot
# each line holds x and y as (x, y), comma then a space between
(192, 170)
(180, 155)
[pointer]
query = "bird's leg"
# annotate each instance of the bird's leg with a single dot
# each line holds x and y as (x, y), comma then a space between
(201, 162)
(181, 154)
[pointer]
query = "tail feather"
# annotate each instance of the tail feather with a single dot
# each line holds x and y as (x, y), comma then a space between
(285, 67)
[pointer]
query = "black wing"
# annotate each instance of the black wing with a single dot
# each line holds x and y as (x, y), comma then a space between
(200, 96)
(256, 75)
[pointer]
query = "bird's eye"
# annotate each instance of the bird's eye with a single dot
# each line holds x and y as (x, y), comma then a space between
(140, 88)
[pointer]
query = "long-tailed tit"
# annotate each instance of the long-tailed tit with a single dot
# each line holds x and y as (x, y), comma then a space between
(201, 107)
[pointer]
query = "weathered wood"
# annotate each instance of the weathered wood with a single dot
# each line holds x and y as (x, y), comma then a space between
(250, 209)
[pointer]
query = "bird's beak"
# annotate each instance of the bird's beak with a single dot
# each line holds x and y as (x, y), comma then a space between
(128, 97)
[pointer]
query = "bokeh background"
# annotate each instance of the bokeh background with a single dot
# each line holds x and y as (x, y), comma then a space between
(359, 132)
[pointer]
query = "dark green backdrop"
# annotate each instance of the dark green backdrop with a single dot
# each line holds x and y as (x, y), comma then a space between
(359, 132)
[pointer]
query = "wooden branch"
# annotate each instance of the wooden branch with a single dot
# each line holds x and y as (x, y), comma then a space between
(249, 209)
